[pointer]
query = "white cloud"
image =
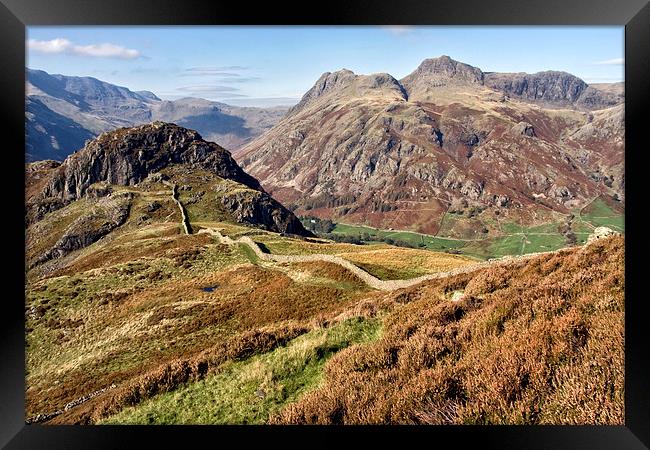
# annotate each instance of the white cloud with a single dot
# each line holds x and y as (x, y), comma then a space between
(207, 88)
(611, 62)
(399, 30)
(53, 46)
(104, 50)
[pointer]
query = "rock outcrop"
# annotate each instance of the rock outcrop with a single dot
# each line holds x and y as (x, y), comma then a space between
(128, 156)
(442, 71)
(106, 215)
(600, 233)
(550, 88)
(525, 129)
(260, 210)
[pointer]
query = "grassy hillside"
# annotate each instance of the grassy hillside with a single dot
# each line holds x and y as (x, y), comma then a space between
(599, 213)
(150, 325)
(539, 342)
(534, 343)
(248, 391)
(147, 296)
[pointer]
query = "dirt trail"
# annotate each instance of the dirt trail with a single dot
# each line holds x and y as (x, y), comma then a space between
(370, 280)
(185, 221)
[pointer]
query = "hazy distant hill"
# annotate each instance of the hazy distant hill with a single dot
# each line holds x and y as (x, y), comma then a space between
(62, 112)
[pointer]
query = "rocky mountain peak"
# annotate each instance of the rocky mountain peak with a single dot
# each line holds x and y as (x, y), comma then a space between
(348, 83)
(327, 82)
(148, 95)
(126, 156)
(381, 81)
(442, 71)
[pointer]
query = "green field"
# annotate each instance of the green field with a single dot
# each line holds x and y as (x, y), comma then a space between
(415, 239)
(599, 214)
(517, 239)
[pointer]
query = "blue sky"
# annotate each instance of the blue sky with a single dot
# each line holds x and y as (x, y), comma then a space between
(271, 65)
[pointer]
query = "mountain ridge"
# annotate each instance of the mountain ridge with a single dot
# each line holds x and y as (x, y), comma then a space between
(384, 159)
(83, 107)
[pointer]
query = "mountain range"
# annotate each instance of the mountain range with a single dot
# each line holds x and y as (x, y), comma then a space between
(447, 138)
(374, 150)
(62, 112)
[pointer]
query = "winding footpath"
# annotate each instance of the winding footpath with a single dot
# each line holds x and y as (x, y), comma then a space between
(370, 280)
(185, 220)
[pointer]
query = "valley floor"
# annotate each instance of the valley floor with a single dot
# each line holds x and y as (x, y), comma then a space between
(506, 238)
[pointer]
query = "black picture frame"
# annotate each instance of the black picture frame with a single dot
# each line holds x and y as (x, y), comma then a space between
(16, 15)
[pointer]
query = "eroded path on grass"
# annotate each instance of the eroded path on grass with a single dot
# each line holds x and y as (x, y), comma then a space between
(185, 220)
(370, 280)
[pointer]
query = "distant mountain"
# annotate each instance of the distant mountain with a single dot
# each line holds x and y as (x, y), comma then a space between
(617, 89)
(63, 111)
(389, 153)
(230, 126)
(49, 135)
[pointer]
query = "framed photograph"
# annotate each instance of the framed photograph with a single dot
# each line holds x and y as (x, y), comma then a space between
(376, 219)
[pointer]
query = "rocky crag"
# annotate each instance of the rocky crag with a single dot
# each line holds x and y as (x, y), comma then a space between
(106, 175)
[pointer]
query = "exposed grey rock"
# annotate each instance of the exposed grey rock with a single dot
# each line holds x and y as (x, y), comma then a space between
(599, 233)
(442, 71)
(501, 200)
(561, 193)
(551, 88)
(156, 177)
(99, 190)
(128, 155)
(261, 210)
(524, 128)
(104, 217)
(153, 206)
